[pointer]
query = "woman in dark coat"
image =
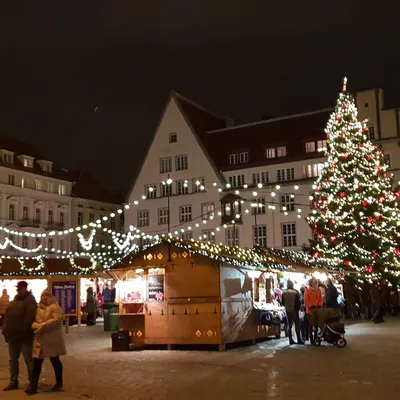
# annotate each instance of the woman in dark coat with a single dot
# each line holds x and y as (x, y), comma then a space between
(90, 307)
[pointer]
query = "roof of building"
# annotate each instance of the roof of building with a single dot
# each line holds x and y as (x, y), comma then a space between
(84, 184)
(13, 267)
(257, 258)
(254, 138)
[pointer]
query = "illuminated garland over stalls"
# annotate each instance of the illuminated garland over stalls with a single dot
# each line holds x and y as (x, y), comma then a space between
(355, 217)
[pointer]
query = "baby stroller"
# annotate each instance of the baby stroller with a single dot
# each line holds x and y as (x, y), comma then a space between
(330, 328)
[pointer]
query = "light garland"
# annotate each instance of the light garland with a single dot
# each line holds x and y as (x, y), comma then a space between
(87, 244)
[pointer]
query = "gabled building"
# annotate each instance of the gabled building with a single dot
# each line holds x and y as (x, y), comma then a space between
(266, 168)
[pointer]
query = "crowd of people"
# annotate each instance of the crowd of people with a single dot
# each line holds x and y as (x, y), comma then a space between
(370, 302)
(35, 331)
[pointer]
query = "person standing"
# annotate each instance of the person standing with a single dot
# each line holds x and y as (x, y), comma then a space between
(331, 295)
(91, 307)
(4, 301)
(292, 303)
(376, 300)
(18, 333)
(48, 341)
(305, 323)
(313, 300)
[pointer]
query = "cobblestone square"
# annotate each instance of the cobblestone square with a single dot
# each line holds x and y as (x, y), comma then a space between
(367, 368)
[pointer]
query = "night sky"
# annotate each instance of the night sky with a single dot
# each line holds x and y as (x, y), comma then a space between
(86, 81)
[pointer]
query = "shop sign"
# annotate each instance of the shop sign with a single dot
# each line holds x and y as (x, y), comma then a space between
(155, 288)
(65, 293)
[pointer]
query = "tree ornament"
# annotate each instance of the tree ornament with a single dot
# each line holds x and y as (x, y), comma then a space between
(370, 219)
(370, 269)
(364, 203)
(338, 117)
(333, 238)
(396, 251)
(342, 194)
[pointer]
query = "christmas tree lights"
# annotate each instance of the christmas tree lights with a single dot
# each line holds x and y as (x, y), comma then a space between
(355, 215)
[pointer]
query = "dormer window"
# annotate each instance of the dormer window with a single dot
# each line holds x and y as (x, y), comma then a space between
(322, 145)
(319, 146)
(234, 158)
(47, 166)
(8, 157)
(310, 147)
(173, 138)
(28, 162)
(281, 151)
(274, 152)
(244, 157)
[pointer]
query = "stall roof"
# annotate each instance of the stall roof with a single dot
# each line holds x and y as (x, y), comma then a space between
(257, 258)
(42, 266)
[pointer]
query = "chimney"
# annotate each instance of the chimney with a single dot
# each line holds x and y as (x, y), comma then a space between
(229, 122)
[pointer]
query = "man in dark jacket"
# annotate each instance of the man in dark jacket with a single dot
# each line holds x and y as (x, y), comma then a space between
(292, 302)
(18, 333)
(331, 295)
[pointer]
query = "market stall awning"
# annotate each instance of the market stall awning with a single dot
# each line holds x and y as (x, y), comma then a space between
(42, 266)
(255, 258)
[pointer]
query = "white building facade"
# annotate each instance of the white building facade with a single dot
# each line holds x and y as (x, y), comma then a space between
(266, 170)
(38, 198)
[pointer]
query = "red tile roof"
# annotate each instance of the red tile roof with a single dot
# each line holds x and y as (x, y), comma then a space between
(219, 141)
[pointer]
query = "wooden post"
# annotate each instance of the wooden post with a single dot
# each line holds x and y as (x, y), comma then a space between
(78, 301)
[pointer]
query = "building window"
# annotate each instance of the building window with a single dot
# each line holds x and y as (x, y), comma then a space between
(270, 153)
(38, 184)
(162, 216)
(208, 235)
(8, 158)
(371, 133)
(150, 191)
(165, 189)
(25, 213)
(289, 235)
(11, 212)
(80, 218)
(260, 235)
(173, 138)
(165, 165)
(281, 151)
(91, 217)
(143, 218)
(207, 210)
(260, 177)
(11, 180)
(244, 157)
(387, 160)
(51, 217)
(198, 185)
(366, 105)
(310, 147)
(321, 145)
(258, 206)
(181, 163)
(287, 202)
(28, 163)
(50, 187)
(25, 242)
(23, 182)
(38, 215)
(233, 158)
(62, 190)
(187, 235)
(232, 236)
(37, 242)
(236, 180)
(62, 218)
(112, 224)
(182, 187)
(313, 170)
(285, 174)
(50, 245)
(185, 213)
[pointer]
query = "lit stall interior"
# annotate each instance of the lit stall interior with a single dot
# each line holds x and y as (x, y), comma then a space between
(36, 286)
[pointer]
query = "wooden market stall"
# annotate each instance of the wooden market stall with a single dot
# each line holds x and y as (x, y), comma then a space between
(187, 293)
(62, 275)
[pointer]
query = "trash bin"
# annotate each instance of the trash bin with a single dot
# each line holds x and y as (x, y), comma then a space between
(120, 341)
(110, 321)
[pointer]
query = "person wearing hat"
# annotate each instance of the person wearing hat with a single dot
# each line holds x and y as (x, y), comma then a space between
(18, 333)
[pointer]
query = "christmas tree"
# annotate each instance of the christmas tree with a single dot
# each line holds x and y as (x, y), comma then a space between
(355, 215)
